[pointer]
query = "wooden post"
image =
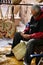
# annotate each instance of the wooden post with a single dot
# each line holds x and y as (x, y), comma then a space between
(12, 17)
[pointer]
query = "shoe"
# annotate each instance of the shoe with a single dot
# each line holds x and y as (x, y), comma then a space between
(25, 63)
(9, 55)
(10, 43)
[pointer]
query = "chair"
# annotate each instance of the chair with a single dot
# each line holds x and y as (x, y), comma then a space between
(40, 55)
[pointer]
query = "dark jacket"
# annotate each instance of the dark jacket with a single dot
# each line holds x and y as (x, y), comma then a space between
(35, 27)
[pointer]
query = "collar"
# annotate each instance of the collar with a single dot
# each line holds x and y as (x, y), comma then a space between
(39, 17)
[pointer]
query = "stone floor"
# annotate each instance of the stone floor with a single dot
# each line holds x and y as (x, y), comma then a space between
(11, 60)
(14, 61)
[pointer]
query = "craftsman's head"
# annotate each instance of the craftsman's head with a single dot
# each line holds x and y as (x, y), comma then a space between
(35, 10)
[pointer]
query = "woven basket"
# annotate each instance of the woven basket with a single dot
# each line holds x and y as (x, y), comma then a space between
(39, 1)
(16, 1)
(1, 29)
(19, 50)
(10, 28)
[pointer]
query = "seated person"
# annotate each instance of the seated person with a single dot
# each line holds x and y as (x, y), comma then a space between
(33, 33)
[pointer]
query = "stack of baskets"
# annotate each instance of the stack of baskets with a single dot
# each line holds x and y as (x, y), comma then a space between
(7, 29)
(1, 28)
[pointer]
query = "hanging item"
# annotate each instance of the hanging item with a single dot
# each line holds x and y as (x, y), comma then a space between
(9, 12)
(0, 13)
(4, 10)
(16, 1)
(39, 1)
(5, 1)
(12, 13)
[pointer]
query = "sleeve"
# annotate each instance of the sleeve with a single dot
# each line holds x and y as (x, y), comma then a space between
(37, 35)
(27, 28)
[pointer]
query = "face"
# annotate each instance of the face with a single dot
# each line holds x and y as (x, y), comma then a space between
(33, 12)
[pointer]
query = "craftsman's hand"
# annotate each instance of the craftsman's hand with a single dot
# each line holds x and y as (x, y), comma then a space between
(21, 33)
(26, 36)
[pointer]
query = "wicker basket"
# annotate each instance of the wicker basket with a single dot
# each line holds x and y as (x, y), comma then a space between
(39, 1)
(19, 50)
(16, 1)
(10, 28)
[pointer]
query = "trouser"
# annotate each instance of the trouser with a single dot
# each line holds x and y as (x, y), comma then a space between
(17, 39)
(30, 49)
(30, 45)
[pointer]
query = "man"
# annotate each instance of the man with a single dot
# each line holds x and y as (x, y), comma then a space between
(33, 33)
